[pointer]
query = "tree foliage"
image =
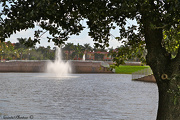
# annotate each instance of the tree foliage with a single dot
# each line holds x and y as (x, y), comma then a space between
(18, 51)
(171, 40)
(63, 18)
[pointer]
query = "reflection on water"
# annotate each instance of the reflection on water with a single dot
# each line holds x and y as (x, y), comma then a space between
(77, 97)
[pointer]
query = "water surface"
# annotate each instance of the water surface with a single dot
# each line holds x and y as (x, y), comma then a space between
(77, 97)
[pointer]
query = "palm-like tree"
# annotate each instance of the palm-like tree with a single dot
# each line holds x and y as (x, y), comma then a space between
(87, 47)
(21, 52)
(78, 51)
(96, 49)
(69, 47)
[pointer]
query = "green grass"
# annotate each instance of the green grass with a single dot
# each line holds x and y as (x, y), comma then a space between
(126, 69)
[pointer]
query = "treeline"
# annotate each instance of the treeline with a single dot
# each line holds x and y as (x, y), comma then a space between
(18, 51)
(76, 52)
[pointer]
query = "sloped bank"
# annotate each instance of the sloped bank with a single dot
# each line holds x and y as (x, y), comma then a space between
(41, 66)
(148, 78)
(144, 75)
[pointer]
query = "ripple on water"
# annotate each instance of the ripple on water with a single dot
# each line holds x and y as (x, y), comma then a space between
(79, 96)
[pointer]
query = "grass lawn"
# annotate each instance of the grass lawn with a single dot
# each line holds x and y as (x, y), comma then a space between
(126, 69)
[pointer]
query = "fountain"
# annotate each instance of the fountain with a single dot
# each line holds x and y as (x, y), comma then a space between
(59, 68)
(84, 57)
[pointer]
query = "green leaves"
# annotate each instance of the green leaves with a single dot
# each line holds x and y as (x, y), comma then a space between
(171, 40)
(28, 42)
(176, 94)
(63, 18)
(60, 18)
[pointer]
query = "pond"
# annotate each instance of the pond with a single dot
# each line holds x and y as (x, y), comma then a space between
(40, 96)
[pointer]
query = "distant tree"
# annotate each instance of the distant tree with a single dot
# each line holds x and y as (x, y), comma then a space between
(19, 44)
(9, 46)
(16, 55)
(69, 47)
(98, 56)
(87, 47)
(36, 55)
(6, 50)
(95, 49)
(78, 51)
(50, 54)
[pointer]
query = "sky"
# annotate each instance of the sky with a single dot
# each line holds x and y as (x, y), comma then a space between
(82, 39)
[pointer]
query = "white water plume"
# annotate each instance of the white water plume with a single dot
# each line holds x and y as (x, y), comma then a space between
(84, 57)
(59, 68)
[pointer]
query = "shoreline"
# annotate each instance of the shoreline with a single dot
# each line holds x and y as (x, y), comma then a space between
(41, 66)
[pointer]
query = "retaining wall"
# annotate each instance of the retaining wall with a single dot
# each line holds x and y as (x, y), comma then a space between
(25, 66)
(88, 67)
(40, 66)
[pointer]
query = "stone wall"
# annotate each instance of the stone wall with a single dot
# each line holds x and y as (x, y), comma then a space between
(37, 66)
(40, 66)
(89, 67)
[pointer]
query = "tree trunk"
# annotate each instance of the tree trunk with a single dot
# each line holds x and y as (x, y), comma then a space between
(167, 74)
(169, 101)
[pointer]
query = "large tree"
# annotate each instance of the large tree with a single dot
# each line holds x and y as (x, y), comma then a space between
(63, 18)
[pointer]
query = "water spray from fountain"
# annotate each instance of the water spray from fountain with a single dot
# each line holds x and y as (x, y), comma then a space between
(84, 57)
(59, 68)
